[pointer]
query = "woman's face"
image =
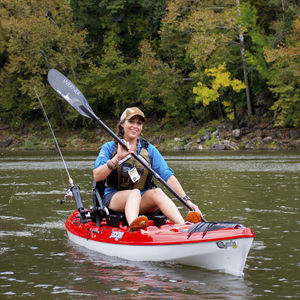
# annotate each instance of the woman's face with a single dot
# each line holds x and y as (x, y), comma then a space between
(132, 127)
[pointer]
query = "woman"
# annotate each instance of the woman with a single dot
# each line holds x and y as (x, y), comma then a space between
(129, 184)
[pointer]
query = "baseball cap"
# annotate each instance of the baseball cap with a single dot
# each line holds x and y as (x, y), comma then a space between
(130, 112)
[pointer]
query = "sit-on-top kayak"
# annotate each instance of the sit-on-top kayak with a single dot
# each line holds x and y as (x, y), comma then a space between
(217, 246)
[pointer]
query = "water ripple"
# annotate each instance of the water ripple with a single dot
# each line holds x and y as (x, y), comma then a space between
(49, 225)
(15, 233)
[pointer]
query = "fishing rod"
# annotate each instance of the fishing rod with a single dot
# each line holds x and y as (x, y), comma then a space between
(55, 140)
(73, 190)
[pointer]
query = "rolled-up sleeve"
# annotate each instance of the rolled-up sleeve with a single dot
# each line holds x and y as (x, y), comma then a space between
(105, 154)
(159, 164)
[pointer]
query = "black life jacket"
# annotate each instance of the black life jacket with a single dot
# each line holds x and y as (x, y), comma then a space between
(119, 178)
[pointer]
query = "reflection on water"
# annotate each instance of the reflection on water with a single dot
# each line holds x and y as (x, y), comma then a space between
(259, 190)
(155, 279)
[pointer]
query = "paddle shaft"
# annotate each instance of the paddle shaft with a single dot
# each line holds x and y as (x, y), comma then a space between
(145, 165)
(68, 90)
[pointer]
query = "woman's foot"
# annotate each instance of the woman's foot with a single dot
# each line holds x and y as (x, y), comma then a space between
(193, 217)
(139, 223)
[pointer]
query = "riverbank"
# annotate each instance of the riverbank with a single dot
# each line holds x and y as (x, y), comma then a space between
(256, 134)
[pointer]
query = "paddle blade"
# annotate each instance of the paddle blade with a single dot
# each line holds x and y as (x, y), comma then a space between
(67, 89)
(193, 217)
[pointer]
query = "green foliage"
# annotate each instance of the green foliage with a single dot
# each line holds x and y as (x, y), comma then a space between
(109, 81)
(285, 79)
(254, 53)
(210, 142)
(36, 36)
(173, 37)
(148, 53)
(131, 21)
(32, 143)
(209, 37)
(267, 12)
(202, 131)
(161, 90)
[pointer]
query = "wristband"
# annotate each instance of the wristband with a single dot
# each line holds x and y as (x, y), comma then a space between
(186, 198)
(110, 165)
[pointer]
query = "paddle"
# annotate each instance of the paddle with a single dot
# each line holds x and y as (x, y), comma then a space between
(66, 89)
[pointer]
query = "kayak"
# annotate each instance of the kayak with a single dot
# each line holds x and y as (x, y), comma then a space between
(220, 246)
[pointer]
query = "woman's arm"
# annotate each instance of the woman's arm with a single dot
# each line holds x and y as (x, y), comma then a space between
(175, 185)
(108, 164)
(103, 171)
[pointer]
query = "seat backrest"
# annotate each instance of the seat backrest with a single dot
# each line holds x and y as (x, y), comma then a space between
(100, 186)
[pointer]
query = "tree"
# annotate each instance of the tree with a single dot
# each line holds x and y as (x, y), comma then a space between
(109, 83)
(245, 68)
(130, 20)
(217, 89)
(284, 81)
(275, 16)
(37, 36)
(198, 35)
(160, 90)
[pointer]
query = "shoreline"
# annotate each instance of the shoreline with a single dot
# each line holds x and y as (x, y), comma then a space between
(210, 138)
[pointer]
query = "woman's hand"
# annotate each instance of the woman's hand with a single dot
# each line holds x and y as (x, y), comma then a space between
(195, 207)
(122, 152)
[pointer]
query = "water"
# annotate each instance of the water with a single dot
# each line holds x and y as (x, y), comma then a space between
(261, 191)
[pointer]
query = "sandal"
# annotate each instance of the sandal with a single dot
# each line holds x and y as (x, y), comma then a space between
(193, 217)
(139, 223)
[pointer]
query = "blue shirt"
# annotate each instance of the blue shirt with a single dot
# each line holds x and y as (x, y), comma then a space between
(158, 163)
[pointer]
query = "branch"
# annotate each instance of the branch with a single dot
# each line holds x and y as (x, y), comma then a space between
(45, 57)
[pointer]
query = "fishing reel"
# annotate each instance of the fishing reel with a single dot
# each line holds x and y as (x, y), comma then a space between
(68, 196)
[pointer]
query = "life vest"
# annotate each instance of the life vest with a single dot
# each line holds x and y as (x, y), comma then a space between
(119, 178)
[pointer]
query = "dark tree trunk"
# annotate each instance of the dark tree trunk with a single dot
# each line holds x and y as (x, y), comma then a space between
(245, 69)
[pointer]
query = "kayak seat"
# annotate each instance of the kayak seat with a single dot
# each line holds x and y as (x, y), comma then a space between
(115, 218)
(98, 211)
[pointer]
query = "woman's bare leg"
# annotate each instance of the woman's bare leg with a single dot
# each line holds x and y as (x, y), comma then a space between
(156, 198)
(127, 201)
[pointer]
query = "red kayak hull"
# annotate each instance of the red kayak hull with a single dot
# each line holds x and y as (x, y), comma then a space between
(222, 249)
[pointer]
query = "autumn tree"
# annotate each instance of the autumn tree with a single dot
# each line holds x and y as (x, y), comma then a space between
(37, 36)
(149, 53)
(202, 35)
(220, 80)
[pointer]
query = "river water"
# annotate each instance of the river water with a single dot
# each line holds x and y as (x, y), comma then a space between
(259, 190)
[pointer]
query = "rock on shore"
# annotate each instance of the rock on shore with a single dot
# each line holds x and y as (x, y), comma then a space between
(260, 137)
(220, 137)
